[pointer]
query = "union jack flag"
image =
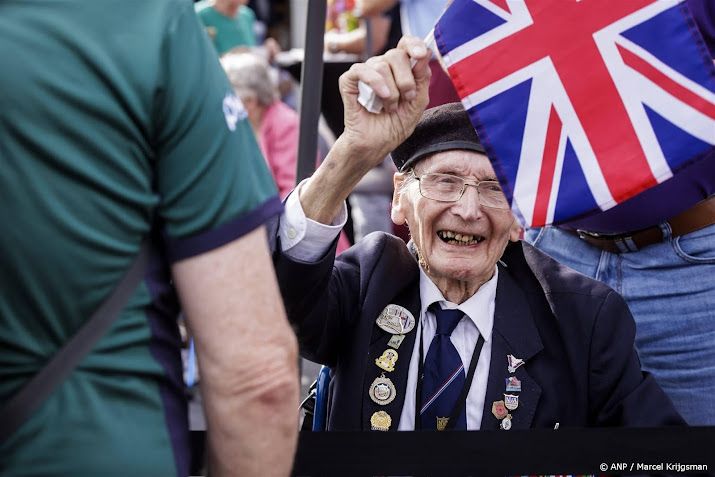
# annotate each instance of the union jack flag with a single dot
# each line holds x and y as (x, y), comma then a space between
(581, 104)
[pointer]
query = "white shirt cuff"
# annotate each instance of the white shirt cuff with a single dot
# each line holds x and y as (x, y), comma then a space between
(305, 239)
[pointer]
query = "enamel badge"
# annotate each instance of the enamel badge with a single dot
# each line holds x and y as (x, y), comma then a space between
(387, 360)
(396, 319)
(499, 410)
(380, 421)
(382, 391)
(513, 385)
(396, 341)
(514, 363)
(511, 401)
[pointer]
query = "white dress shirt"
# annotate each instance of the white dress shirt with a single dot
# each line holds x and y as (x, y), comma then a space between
(307, 240)
(479, 309)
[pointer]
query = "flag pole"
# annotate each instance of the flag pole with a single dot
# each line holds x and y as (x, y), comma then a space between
(311, 86)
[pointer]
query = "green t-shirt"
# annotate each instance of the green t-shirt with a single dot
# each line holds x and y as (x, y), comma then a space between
(116, 123)
(227, 32)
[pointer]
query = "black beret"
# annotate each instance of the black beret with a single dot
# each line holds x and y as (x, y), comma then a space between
(443, 128)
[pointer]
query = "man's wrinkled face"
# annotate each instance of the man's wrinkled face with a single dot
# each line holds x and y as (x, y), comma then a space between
(459, 240)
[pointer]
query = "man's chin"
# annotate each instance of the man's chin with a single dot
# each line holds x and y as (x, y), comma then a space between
(461, 274)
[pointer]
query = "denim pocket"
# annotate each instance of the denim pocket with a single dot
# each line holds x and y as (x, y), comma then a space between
(696, 247)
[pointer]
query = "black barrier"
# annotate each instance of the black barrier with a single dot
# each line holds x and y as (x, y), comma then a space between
(662, 451)
(563, 451)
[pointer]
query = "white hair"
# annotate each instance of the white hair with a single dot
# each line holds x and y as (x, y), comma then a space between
(250, 74)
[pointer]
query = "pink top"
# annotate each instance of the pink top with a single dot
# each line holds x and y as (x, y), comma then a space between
(278, 140)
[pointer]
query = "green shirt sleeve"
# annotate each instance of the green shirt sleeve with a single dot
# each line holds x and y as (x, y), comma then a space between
(213, 182)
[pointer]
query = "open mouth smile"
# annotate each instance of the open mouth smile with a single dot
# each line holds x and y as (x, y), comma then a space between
(456, 238)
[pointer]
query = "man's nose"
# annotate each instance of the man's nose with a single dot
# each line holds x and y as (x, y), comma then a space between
(468, 206)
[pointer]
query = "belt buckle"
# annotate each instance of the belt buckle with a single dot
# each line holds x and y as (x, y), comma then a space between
(624, 242)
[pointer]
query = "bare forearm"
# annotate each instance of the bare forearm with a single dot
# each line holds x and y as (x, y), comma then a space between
(323, 195)
(247, 355)
(252, 415)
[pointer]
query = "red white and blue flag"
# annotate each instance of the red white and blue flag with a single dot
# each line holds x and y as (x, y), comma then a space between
(581, 104)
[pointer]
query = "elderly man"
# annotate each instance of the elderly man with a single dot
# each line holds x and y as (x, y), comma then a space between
(465, 327)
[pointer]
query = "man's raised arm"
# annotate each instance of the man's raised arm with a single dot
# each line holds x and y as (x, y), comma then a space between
(369, 137)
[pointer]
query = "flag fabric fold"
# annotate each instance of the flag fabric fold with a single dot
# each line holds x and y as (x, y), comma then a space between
(581, 104)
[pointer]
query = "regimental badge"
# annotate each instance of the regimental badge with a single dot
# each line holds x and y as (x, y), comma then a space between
(396, 319)
(499, 410)
(511, 401)
(387, 360)
(514, 363)
(380, 421)
(396, 341)
(505, 423)
(382, 391)
(442, 423)
(513, 385)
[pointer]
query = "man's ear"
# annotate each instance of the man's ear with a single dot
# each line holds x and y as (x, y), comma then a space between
(516, 232)
(397, 213)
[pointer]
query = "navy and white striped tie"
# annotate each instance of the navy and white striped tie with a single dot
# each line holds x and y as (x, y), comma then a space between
(444, 374)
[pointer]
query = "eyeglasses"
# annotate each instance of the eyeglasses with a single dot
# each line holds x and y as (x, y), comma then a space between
(449, 188)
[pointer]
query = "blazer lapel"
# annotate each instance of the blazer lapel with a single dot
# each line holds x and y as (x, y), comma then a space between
(514, 334)
(409, 298)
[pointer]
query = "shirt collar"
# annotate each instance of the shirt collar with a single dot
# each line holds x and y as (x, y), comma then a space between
(479, 307)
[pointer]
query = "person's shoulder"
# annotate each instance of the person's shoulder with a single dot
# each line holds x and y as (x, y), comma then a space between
(246, 12)
(381, 247)
(553, 276)
(204, 8)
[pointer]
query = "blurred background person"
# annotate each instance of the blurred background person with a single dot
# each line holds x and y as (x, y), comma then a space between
(231, 24)
(274, 123)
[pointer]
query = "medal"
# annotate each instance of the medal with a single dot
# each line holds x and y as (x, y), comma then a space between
(513, 385)
(387, 360)
(396, 341)
(380, 421)
(511, 401)
(514, 363)
(396, 319)
(382, 391)
(505, 423)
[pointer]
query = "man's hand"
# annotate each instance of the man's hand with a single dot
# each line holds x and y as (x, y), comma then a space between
(369, 137)
(403, 89)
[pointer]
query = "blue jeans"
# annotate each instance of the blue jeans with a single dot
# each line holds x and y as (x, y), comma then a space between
(670, 289)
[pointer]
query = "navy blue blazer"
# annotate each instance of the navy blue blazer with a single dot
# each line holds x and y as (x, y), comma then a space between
(575, 335)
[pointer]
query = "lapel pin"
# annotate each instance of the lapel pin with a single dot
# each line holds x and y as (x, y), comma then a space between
(396, 319)
(514, 363)
(499, 410)
(380, 421)
(511, 401)
(505, 423)
(387, 360)
(513, 385)
(396, 341)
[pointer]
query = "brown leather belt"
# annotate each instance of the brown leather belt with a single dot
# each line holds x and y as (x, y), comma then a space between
(695, 218)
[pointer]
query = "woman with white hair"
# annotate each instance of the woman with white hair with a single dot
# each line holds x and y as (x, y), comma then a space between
(274, 123)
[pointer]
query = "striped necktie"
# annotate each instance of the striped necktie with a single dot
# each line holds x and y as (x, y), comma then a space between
(444, 374)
